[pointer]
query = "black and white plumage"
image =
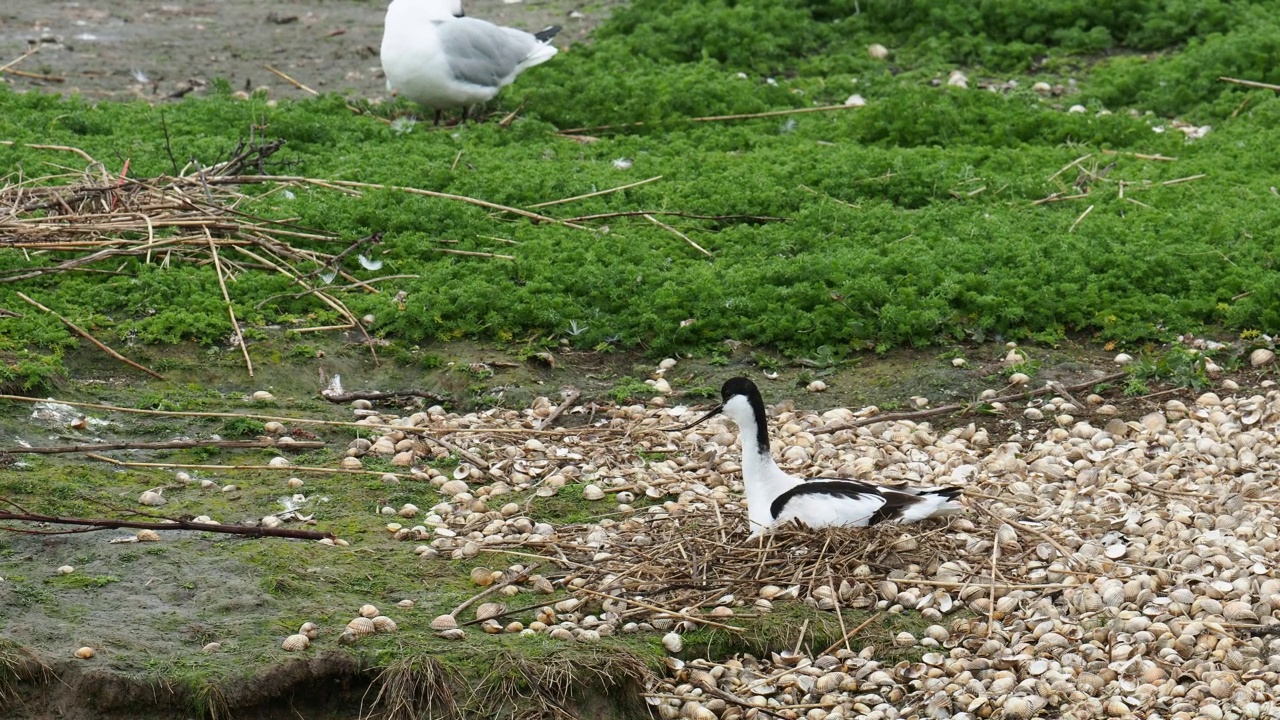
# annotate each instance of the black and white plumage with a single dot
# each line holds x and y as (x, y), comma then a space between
(436, 56)
(774, 497)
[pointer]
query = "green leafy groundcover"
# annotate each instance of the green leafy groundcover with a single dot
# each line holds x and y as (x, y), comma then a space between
(909, 220)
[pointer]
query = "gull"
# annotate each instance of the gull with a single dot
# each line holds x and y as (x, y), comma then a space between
(774, 497)
(441, 59)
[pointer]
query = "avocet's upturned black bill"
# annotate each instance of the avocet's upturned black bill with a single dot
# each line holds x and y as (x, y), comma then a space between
(774, 497)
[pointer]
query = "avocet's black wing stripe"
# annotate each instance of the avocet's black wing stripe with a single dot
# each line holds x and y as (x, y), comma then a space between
(850, 489)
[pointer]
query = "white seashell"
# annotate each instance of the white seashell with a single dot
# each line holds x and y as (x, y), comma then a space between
(1124, 359)
(85, 653)
(877, 51)
(152, 498)
(816, 386)
(444, 622)
(279, 462)
(66, 570)
(212, 647)
(368, 611)
(384, 624)
(452, 634)
(309, 629)
(1261, 357)
(672, 642)
(592, 492)
(1019, 379)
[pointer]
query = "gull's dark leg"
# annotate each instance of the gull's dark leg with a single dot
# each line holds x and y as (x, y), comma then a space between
(465, 110)
(438, 115)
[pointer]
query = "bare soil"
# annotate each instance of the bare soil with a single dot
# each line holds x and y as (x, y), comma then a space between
(162, 49)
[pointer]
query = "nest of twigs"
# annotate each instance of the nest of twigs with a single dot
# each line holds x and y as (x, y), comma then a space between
(687, 565)
(78, 221)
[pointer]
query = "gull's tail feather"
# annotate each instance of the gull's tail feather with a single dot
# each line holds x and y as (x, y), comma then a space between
(547, 33)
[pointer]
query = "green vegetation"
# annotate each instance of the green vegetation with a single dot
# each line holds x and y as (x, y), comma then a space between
(909, 221)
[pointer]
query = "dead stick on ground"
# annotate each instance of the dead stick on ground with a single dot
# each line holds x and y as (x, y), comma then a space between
(64, 148)
(171, 445)
(570, 397)
(379, 395)
(948, 409)
(1250, 83)
(844, 640)
(465, 455)
(715, 118)
(289, 80)
(493, 589)
(34, 49)
(217, 267)
(104, 524)
(286, 468)
(731, 698)
(82, 333)
(471, 253)
(306, 421)
(597, 193)
(678, 234)
(1083, 215)
(664, 611)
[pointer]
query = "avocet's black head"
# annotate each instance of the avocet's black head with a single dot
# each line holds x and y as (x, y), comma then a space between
(741, 401)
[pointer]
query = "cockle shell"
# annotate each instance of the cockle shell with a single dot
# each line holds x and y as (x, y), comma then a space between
(85, 653)
(368, 611)
(672, 642)
(294, 643)
(444, 622)
(152, 498)
(384, 624)
(361, 626)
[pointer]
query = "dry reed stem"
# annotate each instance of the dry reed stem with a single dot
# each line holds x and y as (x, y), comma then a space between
(597, 193)
(678, 234)
(84, 334)
(226, 298)
(286, 468)
(714, 118)
(289, 80)
(1250, 83)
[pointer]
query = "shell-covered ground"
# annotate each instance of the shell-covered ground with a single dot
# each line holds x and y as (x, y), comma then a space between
(527, 561)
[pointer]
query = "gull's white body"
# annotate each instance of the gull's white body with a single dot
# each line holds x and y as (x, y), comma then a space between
(442, 62)
(834, 502)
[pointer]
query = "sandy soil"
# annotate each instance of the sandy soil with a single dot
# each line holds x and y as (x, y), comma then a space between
(156, 49)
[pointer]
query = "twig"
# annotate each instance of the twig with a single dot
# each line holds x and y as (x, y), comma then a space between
(1250, 83)
(104, 524)
(399, 188)
(1083, 215)
(297, 420)
(655, 608)
(729, 697)
(82, 333)
(678, 234)
(170, 445)
(469, 457)
(64, 148)
(31, 51)
(321, 328)
(676, 213)
(378, 395)
(217, 267)
(469, 253)
(1058, 197)
(524, 575)
(289, 80)
(1140, 156)
(946, 409)
(1189, 178)
(570, 397)
(285, 468)
(715, 118)
(598, 193)
(844, 640)
(1058, 388)
(1070, 165)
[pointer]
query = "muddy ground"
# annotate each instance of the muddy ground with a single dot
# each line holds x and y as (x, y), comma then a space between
(158, 49)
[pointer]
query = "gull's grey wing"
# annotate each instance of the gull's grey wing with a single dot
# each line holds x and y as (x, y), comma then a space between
(482, 53)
